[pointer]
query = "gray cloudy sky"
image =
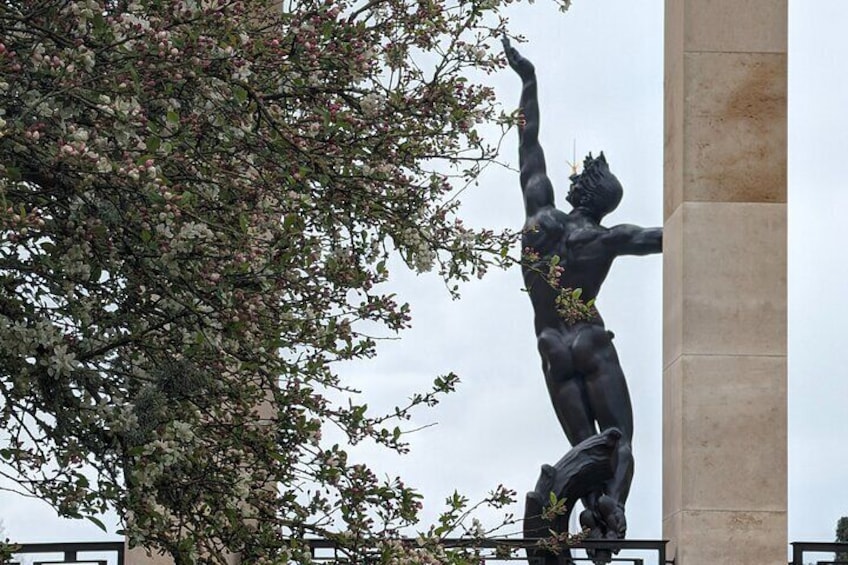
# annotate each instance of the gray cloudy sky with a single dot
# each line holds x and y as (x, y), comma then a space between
(600, 73)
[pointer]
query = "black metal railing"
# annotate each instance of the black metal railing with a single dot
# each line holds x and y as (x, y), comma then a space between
(99, 553)
(800, 548)
(489, 550)
(495, 550)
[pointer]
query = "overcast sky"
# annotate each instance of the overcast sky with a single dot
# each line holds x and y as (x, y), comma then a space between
(600, 74)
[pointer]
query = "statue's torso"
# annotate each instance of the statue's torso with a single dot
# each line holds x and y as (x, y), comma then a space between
(584, 258)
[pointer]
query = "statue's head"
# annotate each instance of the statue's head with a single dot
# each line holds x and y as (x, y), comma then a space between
(595, 189)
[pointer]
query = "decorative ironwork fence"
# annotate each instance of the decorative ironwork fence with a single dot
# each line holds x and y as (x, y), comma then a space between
(489, 551)
(800, 548)
(503, 550)
(83, 553)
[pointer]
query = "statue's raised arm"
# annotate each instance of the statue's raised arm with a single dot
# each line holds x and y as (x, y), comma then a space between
(535, 184)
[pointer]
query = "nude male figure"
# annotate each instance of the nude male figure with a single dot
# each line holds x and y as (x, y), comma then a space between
(581, 367)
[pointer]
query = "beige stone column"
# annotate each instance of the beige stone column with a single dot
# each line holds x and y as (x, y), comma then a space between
(724, 346)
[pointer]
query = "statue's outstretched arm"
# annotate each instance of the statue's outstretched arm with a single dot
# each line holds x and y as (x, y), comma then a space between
(627, 239)
(535, 184)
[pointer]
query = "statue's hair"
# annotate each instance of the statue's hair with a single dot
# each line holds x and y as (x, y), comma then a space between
(596, 188)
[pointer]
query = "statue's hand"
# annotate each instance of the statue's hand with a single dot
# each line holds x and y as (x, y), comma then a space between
(517, 63)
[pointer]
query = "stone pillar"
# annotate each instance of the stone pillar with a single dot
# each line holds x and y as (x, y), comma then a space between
(139, 556)
(724, 282)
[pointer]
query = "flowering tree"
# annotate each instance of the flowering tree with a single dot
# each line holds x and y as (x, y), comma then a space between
(197, 202)
(842, 536)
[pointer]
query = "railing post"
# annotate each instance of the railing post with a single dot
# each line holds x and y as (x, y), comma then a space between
(797, 553)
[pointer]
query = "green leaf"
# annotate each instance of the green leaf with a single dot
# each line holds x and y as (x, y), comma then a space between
(98, 523)
(554, 260)
(172, 117)
(576, 293)
(153, 143)
(130, 68)
(240, 94)
(98, 23)
(553, 499)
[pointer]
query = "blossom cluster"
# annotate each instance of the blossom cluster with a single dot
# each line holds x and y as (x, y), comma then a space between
(568, 302)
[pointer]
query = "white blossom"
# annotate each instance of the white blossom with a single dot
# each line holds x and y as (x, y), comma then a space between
(61, 362)
(477, 529)
(371, 104)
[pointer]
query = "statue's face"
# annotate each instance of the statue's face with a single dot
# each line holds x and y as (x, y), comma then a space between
(580, 196)
(579, 191)
(573, 190)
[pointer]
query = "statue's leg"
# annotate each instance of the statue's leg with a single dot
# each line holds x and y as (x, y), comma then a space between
(609, 401)
(568, 393)
(570, 399)
(566, 389)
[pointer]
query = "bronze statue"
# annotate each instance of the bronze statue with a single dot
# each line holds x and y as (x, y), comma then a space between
(566, 259)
